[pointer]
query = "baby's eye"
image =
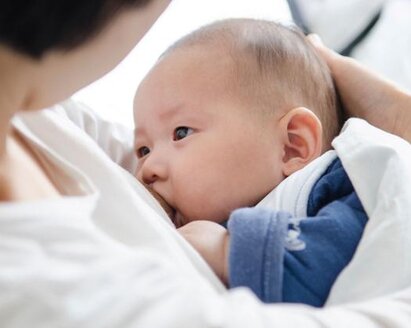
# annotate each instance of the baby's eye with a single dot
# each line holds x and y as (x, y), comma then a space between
(181, 132)
(143, 151)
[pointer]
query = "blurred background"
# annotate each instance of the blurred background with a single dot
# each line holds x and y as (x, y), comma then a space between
(376, 32)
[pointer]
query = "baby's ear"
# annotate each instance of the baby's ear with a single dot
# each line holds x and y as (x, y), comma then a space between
(302, 133)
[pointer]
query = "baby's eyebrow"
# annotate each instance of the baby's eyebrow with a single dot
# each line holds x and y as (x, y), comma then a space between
(139, 132)
(164, 116)
(170, 112)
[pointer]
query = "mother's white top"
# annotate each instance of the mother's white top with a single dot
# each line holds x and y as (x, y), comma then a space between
(106, 255)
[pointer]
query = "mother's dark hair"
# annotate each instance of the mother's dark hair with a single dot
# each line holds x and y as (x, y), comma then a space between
(33, 27)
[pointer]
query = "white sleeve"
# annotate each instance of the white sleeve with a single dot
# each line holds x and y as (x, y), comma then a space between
(115, 139)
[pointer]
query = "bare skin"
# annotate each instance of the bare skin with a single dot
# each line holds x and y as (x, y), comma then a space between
(212, 241)
(19, 163)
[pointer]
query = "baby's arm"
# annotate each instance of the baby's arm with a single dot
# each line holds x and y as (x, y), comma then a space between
(286, 259)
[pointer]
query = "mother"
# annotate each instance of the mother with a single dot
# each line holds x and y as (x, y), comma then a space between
(78, 246)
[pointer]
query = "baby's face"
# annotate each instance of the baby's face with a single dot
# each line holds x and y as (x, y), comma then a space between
(197, 146)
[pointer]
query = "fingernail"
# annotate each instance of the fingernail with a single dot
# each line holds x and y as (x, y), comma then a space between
(315, 39)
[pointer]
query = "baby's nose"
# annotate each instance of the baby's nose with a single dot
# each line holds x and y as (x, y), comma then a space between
(153, 170)
(149, 178)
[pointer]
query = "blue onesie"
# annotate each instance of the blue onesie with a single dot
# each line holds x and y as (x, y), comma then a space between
(262, 257)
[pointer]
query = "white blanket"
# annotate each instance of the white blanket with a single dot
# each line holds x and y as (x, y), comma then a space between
(379, 166)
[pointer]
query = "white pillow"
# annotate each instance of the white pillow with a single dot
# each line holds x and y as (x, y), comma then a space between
(112, 95)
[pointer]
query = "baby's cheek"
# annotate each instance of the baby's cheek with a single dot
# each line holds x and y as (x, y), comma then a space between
(209, 209)
(199, 197)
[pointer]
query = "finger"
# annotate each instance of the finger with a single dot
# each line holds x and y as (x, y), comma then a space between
(330, 56)
(315, 39)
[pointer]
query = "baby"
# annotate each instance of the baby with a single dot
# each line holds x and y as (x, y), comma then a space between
(229, 113)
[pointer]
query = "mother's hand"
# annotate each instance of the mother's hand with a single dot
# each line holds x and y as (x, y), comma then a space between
(366, 95)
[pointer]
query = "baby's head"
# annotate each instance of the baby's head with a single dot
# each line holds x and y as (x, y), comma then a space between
(228, 112)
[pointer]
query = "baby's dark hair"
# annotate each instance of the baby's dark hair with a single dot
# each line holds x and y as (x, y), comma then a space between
(35, 27)
(275, 65)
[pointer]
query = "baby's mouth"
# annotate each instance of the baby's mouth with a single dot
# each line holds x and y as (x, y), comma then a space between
(175, 216)
(166, 206)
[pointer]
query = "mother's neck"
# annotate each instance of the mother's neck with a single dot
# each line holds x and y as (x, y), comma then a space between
(15, 82)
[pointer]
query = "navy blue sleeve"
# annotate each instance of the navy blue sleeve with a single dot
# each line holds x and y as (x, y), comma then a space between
(301, 257)
(256, 249)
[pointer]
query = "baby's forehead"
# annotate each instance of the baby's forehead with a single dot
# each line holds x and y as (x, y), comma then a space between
(199, 67)
(192, 76)
(200, 56)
